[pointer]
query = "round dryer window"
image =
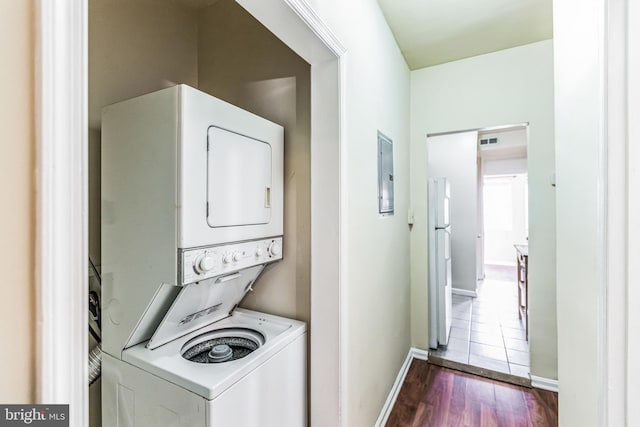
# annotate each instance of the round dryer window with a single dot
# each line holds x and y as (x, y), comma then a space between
(222, 345)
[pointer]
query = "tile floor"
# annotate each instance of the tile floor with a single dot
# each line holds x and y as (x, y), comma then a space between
(486, 331)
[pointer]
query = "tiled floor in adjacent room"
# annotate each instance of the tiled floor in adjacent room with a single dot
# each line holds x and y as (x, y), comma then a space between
(486, 331)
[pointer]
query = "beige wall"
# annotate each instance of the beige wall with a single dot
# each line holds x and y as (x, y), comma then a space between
(255, 71)
(135, 47)
(17, 219)
(376, 321)
(506, 87)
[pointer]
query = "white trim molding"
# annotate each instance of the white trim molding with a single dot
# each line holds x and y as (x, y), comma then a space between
(414, 353)
(544, 383)
(61, 247)
(631, 340)
(309, 16)
(464, 292)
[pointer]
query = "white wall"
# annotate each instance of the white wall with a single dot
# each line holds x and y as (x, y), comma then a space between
(506, 87)
(17, 216)
(376, 93)
(455, 157)
(512, 142)
(504, 166)
(633, 212)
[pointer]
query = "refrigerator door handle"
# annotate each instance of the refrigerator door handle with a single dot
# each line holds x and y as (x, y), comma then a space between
(447, 244)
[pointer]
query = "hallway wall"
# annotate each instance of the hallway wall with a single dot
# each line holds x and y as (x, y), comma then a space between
(506, 87)
(376, 94)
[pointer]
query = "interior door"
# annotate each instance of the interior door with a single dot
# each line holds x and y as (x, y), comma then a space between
(238, 179)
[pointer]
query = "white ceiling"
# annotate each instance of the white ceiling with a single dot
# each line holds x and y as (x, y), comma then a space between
(431, 32)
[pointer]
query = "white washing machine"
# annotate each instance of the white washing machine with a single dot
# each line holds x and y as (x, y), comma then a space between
(192, 207)
(244, 370)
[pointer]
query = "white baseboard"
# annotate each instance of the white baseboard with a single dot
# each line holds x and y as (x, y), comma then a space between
(544, 383)
(464, 292)
(414, 353)
(501, 263)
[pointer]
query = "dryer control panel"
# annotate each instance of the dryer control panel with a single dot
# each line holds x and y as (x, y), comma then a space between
(202, 263)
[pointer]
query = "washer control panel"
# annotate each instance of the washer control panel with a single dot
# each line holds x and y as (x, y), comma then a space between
(203, 263)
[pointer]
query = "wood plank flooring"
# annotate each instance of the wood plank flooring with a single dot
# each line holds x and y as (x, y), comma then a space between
(440, 397)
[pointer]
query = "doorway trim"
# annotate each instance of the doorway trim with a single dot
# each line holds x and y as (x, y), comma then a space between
(61, 212)
(62, 188)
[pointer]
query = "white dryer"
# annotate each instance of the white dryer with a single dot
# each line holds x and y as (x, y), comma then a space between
(192, 206)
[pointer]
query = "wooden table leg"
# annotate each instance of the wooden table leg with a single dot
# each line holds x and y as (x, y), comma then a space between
(519, 291)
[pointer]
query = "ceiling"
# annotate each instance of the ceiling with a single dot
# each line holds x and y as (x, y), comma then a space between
(431, 32)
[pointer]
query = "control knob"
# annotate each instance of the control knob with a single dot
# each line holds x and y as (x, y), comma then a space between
(259, 252)
(275, 249)
(227, 258)
(204, 263)
(237, 256)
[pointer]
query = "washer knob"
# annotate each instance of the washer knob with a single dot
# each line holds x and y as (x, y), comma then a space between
(275, 249)
(237, 256)
(227, 258)
(204, 263)
(259, 252)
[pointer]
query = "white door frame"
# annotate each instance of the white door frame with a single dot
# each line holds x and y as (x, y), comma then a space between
(62, 235)
(61, 240)
(613, 391)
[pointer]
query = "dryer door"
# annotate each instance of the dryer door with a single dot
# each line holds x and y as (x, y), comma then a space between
(238, 179)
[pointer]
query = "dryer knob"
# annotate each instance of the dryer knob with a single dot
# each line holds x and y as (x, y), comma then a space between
(259, 252)
(227, 258)
(237, 256)
(204, 264)
(275, 249)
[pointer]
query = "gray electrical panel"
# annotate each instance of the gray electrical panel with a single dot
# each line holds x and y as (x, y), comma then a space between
(385, 174)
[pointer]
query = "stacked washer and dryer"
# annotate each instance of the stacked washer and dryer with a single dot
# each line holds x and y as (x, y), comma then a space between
(192, 214)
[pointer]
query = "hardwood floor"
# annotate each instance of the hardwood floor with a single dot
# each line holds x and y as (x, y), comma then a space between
(440, 397)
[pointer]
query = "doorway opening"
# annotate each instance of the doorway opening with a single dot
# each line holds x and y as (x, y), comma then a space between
(63, 146)
(499, 326)
(489, 308)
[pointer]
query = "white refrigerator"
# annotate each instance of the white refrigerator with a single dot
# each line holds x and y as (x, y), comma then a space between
(439, 235)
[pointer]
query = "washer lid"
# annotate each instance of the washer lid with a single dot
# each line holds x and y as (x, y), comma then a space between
(203, 303)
